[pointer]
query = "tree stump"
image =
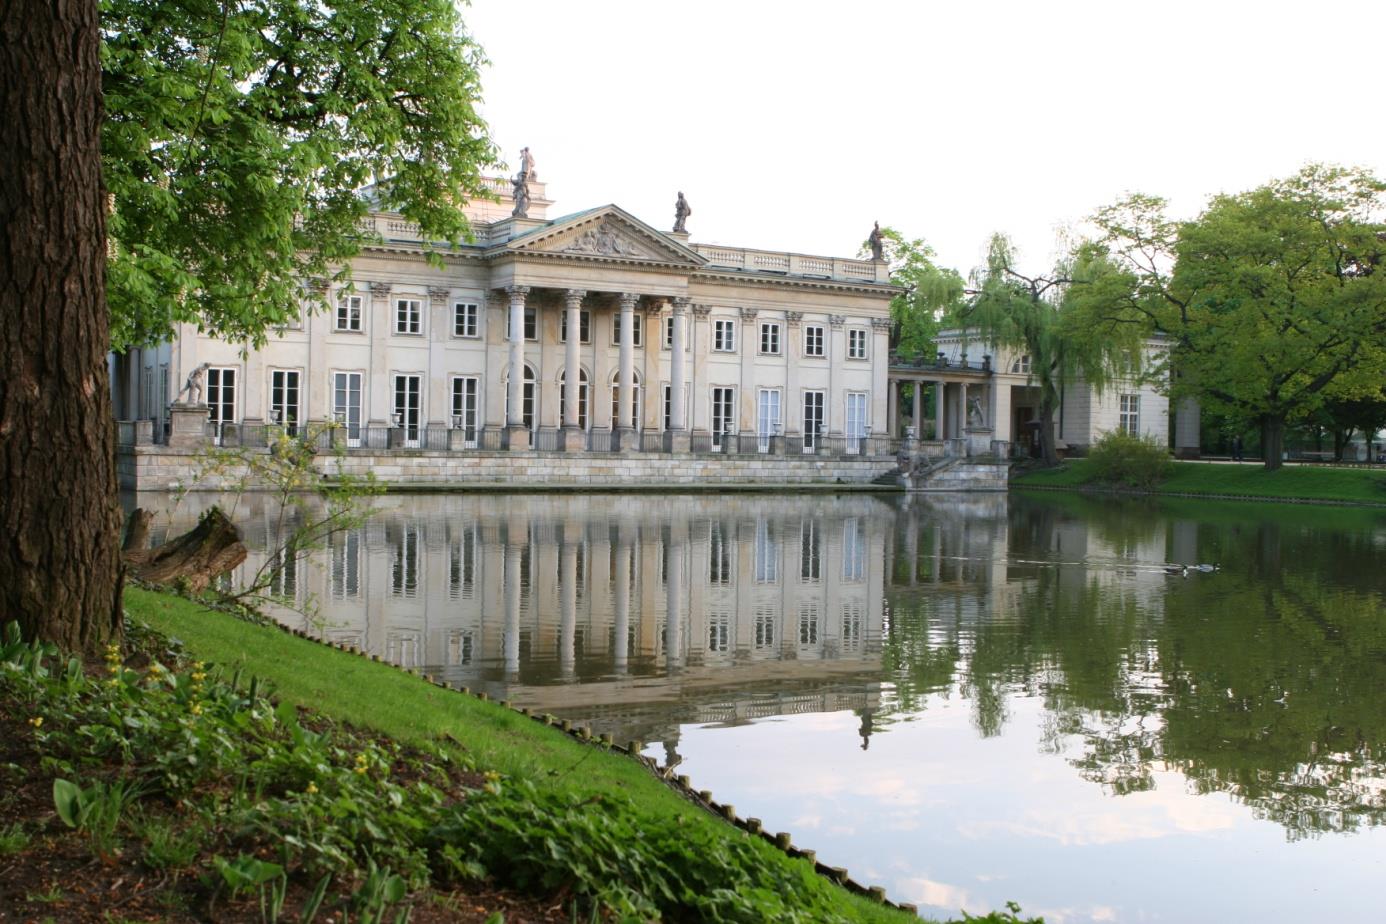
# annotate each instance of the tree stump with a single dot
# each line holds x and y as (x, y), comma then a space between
(196, 558)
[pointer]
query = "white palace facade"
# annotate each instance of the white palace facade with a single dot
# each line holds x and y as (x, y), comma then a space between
(674, 344)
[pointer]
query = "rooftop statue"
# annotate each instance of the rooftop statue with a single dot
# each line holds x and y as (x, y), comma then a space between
(519, 191)
(877, 242)
(527, 165)
(681, 213)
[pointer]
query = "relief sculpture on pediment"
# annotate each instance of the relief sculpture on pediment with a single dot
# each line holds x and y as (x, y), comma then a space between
(603, 240)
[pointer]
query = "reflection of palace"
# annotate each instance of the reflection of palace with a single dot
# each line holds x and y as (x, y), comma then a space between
(563, 603)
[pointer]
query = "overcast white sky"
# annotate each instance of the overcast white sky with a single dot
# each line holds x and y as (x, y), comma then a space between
(794, 125)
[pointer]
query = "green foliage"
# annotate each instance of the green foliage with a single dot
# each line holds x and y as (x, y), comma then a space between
(237, 137)
(1010, 916)
(167, 844)
(932, 292)
(95, 809)
(13, 839)
(640, 867)
(1121, 458)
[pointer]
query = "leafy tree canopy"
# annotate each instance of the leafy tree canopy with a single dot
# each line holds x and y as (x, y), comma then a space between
(932, 291)
(239, 134)
(1274, 299)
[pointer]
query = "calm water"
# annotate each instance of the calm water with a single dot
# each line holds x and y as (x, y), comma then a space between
(964, 700)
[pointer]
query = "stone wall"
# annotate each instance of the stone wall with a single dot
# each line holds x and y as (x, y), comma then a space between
(159, 468)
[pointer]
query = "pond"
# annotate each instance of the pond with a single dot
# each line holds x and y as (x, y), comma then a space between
(966, 699)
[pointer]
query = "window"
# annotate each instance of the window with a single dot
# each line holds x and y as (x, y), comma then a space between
(765, 627)
(346, 404)
(531, 324)
(464, 407)
(813, 340)
(856, 343)
(465, 320)
(853, 550)
(616, 328)
(724, 336)
(810, 553)
(348, 313)
(283, 576)
(669, 332)
(808, 623)
(852, 613)
(221, 395)
(404, 562)
(719, 556)
(668, 417)
(284, 399)
(770, 338)
(723, 401)
(1130, 419)
(767, 417)
(856, 421)
(408, 316)
(462, 564)
(767, 554)
(407, 388)
(718, 630)
(346, 564)
(460, 647)
(584, 327)
(1021, 366)
(813, 419)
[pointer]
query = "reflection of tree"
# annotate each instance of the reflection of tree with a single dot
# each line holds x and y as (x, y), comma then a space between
(1261, 682)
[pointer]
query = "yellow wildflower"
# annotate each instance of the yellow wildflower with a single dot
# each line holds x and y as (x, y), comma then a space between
(312, 789)
(195, 709)
(492, 776)
(36, 721)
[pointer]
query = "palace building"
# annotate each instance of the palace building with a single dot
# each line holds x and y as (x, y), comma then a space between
(592, 331)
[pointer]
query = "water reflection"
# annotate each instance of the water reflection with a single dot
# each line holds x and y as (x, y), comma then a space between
(937, 692)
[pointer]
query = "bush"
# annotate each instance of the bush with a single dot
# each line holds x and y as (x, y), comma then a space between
(1121, 458)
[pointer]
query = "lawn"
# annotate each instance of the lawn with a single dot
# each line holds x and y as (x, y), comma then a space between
(384, 699)
(1294, 482)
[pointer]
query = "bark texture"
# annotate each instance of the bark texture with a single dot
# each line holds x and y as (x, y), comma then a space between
(60, 569)
(195, 558)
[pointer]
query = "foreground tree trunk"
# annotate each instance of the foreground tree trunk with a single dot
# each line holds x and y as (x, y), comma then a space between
(1273, 442)
(1048, 451)
(60, 570)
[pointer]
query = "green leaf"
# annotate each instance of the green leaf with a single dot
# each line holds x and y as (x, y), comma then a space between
(67, 799)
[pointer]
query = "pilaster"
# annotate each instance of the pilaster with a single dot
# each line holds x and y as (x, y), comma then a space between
(377, 384)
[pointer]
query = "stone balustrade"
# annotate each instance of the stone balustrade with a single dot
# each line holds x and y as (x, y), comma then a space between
(793, 264)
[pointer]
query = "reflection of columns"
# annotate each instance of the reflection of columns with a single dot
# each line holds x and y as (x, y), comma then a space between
(567, 602)
(621, 649)
(510, 643)
(515, 416)
(673, 620)
(625, 407)
(938, 410)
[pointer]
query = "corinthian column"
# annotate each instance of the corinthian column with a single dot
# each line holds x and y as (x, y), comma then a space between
(572, 370)
(515, 416)
(625, 433)
(678, 440)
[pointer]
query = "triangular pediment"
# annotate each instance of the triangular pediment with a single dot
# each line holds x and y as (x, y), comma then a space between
(608, 232)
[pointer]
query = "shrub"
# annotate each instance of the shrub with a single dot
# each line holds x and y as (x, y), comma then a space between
(1121, 458)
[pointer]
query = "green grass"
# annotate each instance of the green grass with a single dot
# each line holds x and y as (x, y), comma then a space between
(378, 697)
(1296, 482)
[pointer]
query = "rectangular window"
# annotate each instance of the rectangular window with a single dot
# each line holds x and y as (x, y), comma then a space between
(808, 624)
(813, 419)
(856, 343)
(346, 404)
(669, 332)
(723, 402)
(406, 417)
(724, 336)
(348, 316)
(460, 647)
(810, 553)
(857, 422)
(284, 399)
(718, 630)
(636, 326)
(719, 556)
(408, 316)
(462, 564)
(1130, 420)
(531, 324)
(813, 340)
(404, 562)
(1021, 366)
(584, 326)
(852, 613)
(853, 550)
(221, 395)
(668, 407)
(770, 338)
(767, 554)
(465, 390)
(765, 627)
(465, 319)
(767, 417)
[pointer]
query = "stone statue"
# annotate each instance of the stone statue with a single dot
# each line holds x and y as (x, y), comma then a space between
(877, 242)
(193, 387)
(681, 213)
(519, 190)
(527, 165)
(974, 411)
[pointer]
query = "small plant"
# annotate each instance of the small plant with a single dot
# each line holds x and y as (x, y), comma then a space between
(166, 846)
(1121, 458)
(13, 839)
(97, 810)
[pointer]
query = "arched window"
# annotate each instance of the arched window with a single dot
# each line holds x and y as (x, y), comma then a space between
(582, 397)
(616, 401)
(528, 399)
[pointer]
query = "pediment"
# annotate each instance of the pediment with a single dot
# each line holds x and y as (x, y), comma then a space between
(608, 232)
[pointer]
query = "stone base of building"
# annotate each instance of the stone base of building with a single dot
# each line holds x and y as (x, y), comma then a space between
(573, 439)
(517, 438)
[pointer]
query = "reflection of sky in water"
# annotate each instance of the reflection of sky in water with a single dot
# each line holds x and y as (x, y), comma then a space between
(1014, 662)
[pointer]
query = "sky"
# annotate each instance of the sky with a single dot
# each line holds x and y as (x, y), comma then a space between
(795, 125)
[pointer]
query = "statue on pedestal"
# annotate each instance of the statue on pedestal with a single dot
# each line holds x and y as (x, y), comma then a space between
(519, 191)
(681, 213)
(527, 165)
(975, 416)
(193, 387)
(877, 243)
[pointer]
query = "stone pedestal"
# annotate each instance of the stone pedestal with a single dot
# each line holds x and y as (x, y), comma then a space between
(395, 438)
(573, 439)
(187, 425)
(978, 440)
(677, 441)
(457, 439)
(627, 439)
(517, 438)
(144, 432)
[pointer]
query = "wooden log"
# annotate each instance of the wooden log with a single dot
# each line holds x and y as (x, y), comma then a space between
(196, 558)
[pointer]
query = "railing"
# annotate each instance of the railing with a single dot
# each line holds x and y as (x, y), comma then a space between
(651, 441)
(601, 441)
(941, 363)
(546, 440)
(793, 264)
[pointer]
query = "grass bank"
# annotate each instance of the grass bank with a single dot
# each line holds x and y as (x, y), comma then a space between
(1248, 480)
(494, 740)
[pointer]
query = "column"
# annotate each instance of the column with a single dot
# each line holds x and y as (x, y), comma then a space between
(700, 407)
(963, 423)
(880, 377)
(793, 408)
(317, 383)
(893, 408)
(918, 410)
(515, 416)
(1000, 420)
(438, 404)
(572, 371)
(567, 601)
(378, 400)
(677, 439)
(939, 395)
(837, 350)
(625, 433)
(749, 347)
